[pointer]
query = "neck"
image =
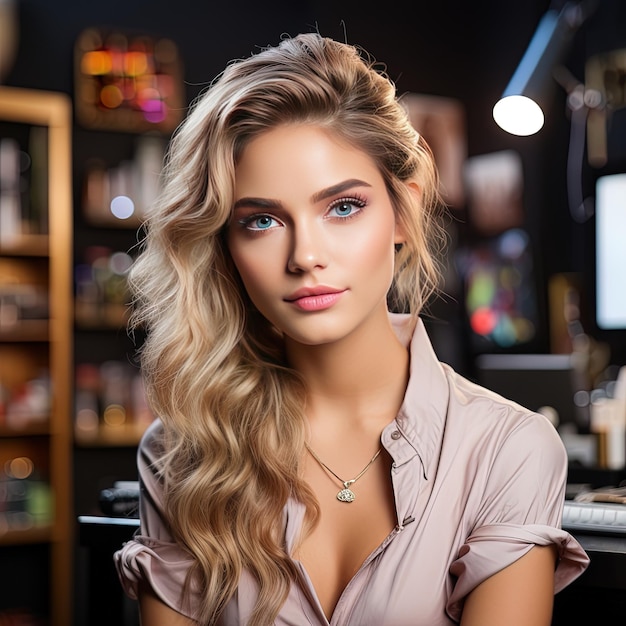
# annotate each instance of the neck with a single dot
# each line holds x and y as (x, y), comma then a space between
(355, 384)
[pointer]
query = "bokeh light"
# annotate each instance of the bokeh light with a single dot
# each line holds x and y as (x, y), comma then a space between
(122, 207)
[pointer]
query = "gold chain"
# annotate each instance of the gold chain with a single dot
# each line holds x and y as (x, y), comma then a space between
(346, 494)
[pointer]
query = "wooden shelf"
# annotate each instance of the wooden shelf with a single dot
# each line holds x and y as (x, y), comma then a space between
(39, 429)
(26, 245)
(34, 534)
(109, 317)
(114, 223)
(27, 347)
(110, 437)
(25, 330)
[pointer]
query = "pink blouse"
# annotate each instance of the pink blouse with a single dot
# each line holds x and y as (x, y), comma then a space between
(477, 480)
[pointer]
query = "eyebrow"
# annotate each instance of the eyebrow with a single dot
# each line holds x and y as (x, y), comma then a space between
(328, 192)
(338, 188)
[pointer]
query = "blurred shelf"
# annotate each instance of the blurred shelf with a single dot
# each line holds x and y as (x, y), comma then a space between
(43, 262)
(41, 428)
(35, 534)
(100, 327)
(26, 245)
(101, 317)
(110, 436)
(25, 330)
(113, 223)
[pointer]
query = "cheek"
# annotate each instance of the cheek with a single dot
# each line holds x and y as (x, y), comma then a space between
(372, 248)
(256, 271)
(248, 272)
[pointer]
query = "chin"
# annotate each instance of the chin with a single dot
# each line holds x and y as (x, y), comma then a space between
(320, 334)
(310, 339)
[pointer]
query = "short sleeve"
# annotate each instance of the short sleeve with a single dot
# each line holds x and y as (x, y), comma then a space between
(152, 556)
(522, 506)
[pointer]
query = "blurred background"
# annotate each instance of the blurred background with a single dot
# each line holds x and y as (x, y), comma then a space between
(534, 295)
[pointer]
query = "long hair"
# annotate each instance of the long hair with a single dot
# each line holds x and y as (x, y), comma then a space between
(234, 430)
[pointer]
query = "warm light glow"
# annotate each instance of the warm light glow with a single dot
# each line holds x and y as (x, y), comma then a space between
(96, 63)
(114, 415)
(518, 115)
(127, 83)
(135, 63)
(87, 421)
(21, 467)
(111, 96)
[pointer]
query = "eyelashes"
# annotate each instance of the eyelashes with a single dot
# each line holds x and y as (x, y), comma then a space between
(259, 222)
(341, 205)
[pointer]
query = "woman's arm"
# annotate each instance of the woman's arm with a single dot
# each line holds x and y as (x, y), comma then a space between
(153, 612)
(521, 594)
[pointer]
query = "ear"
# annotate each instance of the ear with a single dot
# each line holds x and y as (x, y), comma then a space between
(399, 237)
(414, 189)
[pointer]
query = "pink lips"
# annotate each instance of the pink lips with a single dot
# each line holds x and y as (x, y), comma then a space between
(315, 298)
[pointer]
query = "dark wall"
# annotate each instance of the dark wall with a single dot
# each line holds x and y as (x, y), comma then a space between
(456, 48)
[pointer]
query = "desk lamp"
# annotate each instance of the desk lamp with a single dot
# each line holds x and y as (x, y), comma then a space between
(520, 110)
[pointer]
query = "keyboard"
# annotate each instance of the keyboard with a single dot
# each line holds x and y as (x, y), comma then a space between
(594, 517)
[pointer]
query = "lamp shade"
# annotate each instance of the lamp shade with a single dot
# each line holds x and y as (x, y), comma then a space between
(520, 111)
(518, 115)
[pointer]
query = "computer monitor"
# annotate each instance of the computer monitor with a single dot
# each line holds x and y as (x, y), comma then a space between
(536, 381)
(610, 252)
(609, 264)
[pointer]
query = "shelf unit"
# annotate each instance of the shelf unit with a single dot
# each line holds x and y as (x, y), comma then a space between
(33, 344)
(105, 444)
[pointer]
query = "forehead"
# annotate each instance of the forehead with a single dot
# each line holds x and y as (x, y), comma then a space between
(300, 155)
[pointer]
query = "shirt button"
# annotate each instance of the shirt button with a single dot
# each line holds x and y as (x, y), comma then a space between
(396, 434)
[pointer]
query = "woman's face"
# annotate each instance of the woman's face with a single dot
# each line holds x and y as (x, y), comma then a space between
(312, 233)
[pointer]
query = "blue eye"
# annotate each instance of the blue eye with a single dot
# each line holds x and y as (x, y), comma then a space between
(259, 222)
(346, 207)
(343, 209)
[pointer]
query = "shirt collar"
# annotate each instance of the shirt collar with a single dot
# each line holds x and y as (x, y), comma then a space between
(422, 416)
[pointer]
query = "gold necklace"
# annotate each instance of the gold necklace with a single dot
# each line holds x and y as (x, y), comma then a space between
(346, 494)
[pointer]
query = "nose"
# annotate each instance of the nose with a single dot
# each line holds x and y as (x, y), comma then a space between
(308, 248)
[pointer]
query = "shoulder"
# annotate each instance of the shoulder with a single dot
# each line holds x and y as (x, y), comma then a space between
(473, 402)
(150, 465)
(509, 460)
(493, 422)
(151, 448)
(152, 438)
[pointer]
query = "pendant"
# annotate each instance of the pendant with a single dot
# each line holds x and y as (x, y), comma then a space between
(346, 495)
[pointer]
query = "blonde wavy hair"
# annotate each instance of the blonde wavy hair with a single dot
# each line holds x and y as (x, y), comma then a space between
(231, 408)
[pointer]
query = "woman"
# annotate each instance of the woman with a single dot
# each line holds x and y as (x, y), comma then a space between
(313, 463)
